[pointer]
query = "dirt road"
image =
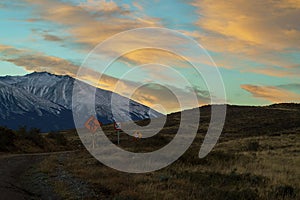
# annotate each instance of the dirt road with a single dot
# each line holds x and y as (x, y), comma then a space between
(12, 168)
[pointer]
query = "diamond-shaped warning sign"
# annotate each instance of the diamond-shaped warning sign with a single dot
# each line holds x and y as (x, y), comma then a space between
(92, 124)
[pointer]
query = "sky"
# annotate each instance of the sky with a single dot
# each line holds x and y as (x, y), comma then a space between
(254, 44)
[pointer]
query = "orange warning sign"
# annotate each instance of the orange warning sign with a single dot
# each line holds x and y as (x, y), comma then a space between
(92, 124)
(137, 135)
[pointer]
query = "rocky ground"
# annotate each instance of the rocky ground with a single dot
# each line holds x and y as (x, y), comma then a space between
(21, 177)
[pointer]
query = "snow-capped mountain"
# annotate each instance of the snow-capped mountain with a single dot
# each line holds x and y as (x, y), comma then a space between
(44, 100)
(57, 89)
(20, 108)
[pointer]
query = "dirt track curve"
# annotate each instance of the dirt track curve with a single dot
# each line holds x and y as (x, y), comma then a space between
(12, 167)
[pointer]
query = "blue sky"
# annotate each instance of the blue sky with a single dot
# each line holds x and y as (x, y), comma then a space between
(256, 52)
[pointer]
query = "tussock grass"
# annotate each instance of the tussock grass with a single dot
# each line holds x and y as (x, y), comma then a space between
(48, 165)
(257, 157)
(233, 170)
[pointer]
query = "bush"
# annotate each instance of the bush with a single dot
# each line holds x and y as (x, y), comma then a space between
(7, 138)
(253, 146)
(22, 131)
(58, 137)
(33, 135)
(24, 140)
(284, 191)
(245, 194)
(209, 193)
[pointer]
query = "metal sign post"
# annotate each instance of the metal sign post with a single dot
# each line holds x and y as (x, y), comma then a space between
(93, 141)
(118, 132)
(92, 124)
(117, 126)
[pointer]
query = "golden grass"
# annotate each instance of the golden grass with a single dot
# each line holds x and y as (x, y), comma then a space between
(61, 188)
(257, 157)
(256, 173)
(49, 165)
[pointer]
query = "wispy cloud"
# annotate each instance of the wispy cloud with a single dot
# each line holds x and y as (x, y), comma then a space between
(272, 93)
(276, 71)
(151, 55)
(138, 6)
(262, 31)
(53, 38)
(245, 37)
(291, 86)
(36, 61)
(91, 29)
(148, 95)
(264, 24)
(86, 27)
(102, 6)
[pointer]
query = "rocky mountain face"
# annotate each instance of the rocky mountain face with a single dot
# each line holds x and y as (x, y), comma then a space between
(43, 100)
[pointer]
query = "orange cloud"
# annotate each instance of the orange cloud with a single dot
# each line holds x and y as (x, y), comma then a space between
(53, 38)
(147, 94)
(91, 29)
(286, 71)
(151, 55)
(272, 24)
(100, 6)
(138, 6)
(272, 93)
(275, 72)
(152, 94)
(261, 31)
(86, 27)
(9, 51)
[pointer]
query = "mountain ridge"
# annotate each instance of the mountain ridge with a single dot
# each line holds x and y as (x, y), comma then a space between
(56, 91)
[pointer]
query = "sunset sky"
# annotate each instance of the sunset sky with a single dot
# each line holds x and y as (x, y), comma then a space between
(255, 44)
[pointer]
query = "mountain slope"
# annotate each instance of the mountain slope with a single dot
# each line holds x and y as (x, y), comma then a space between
(57, 89)
(53, 91)
(20, 108)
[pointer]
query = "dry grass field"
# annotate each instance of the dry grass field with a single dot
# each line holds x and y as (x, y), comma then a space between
(257, 157)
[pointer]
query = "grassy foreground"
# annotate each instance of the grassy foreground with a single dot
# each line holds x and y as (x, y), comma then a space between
(257, 157)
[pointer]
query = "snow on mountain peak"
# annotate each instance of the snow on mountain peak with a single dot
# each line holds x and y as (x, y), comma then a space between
(41, 92)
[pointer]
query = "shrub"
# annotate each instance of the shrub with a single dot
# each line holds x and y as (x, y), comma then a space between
(253, 146)
(284, 191)
(22, 131)
(58, 137)
(7, 138)
(210, 193)
(33, 135)
(245, 194)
